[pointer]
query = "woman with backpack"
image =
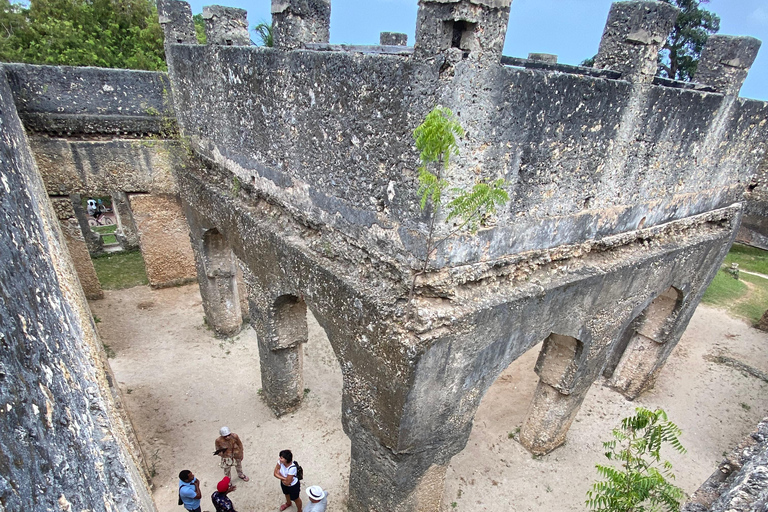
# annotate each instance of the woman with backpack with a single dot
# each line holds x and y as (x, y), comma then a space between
(287, 471)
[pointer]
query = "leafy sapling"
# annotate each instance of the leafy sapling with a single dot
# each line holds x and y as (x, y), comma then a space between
(436, 140)
(640, 480)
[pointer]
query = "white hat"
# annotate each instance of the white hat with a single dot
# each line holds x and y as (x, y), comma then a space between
(316, 492)
(224, 431)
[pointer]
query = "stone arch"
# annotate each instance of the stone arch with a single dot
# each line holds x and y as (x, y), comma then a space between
(634, 362)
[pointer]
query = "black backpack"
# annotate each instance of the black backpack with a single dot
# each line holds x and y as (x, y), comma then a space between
(299, 471)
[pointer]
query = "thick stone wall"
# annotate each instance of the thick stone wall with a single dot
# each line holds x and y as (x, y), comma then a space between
(116, 125)
(584, 157)
(740, 483)
(77, 247)
(64, 444)
(164, 239)
(754, 227)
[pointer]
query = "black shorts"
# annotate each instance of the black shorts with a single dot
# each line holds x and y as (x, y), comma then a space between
(292, 491)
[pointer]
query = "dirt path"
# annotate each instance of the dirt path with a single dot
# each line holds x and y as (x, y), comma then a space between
(181, 384)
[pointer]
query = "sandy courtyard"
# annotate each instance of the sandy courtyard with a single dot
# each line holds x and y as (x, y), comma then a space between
(181, 384)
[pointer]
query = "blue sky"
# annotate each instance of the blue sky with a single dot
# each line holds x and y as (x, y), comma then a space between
(569, 28)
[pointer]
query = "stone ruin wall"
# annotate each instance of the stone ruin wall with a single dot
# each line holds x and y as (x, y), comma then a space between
(96, 132)
(64, 441)
(625, 195)
(754, 227)
(585, 157)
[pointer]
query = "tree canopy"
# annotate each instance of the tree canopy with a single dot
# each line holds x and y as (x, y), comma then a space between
(680, 55)
(105, 33)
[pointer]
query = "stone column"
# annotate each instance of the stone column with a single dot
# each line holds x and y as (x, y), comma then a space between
(217, 276)
(127, 233)
(295, 22)
(646, 350)
(281, 328)
(633, 35)
(559, 394)
(725, 62)
(383, 481)
(549, 417)
(176, 18)
(393, 39)
(466, 29)
(226, 26)
(92, 240)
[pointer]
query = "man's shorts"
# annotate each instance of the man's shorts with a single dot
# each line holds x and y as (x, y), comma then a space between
(293, 491)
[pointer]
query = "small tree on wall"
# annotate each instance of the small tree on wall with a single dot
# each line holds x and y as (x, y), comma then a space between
(436, 141)
(640, 482)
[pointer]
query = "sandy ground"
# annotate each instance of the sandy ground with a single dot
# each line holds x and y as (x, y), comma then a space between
(181, 384)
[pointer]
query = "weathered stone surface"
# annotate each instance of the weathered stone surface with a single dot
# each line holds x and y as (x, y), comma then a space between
(176, 18)
(547, 121)
(83, 100)
(164, 238)
(296, 22)
(725, 62)
(543, 57)
(226, 26)
(633, 35)
(96, 167)
(393, 38)
(763, 323)
(740, 483)
(621, 190)
(60, 425)
(77, 247)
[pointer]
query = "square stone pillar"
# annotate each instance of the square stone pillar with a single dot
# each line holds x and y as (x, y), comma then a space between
(226, 26)
(633, 35)
(725, 62)
(296, 22)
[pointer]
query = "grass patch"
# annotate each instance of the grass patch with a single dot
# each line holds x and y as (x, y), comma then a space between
(107, 233)
(120, 270)
(724, 290)
(748, 258)
(746, 297)
(103, 230)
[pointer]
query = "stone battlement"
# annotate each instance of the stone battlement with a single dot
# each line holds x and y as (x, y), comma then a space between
(328, 133)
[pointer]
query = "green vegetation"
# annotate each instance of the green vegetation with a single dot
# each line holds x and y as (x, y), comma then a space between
(106, 233)
(264, 34)
(680, 55)
(469, 209)
(105, 33)
(640, 482)
(200, 28)
(746, 297)
(120, 270)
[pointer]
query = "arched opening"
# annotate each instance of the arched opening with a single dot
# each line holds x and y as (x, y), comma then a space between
(653, 324)
(638, 355)
(494, 455)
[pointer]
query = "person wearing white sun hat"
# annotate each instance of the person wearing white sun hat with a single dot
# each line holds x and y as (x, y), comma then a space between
(318, 499)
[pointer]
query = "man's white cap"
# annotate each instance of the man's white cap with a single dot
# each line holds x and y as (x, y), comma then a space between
(316, 492)
(224, 431)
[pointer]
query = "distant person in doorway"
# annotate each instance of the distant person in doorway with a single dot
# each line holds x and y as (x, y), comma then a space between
(285, 471)
(221, 501)
(318, 499)
(189, 491)
(230, 449)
